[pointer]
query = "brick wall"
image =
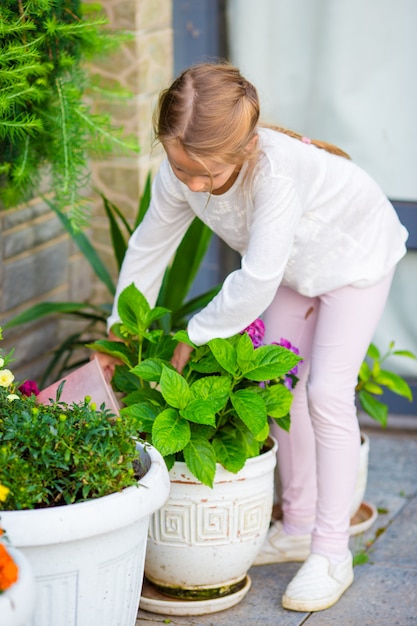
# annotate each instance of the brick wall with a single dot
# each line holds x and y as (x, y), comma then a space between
(38, 261)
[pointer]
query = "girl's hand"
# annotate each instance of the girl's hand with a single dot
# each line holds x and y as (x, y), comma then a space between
(106, 361)
(181, 356)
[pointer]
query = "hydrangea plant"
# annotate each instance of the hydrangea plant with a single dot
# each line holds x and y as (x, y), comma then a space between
(218, 410)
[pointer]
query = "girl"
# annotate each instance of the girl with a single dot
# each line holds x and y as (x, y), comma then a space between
(319, 243)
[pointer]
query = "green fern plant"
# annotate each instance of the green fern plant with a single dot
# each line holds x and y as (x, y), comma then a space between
(45, 121)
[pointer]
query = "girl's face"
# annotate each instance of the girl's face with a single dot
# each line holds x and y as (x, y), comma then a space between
(196, 174)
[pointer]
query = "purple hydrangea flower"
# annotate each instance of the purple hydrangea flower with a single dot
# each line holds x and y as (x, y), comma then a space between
(256, 332)
(288, 381)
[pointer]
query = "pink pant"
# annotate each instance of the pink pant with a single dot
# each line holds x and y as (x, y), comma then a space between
(318, 459)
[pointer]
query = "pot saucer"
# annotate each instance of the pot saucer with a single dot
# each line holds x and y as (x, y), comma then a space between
(154, 601)
(363, 519)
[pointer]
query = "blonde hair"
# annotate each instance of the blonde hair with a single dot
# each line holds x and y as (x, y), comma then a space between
(323, 145)
(212, 111)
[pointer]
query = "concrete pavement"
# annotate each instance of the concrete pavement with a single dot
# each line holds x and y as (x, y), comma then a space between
(384, 592)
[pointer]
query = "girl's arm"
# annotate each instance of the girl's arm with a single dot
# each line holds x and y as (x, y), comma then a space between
(248, 291)
(153, 244)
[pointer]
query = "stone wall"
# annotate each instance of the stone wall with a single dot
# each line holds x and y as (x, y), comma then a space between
(143, 67)
(38, 261)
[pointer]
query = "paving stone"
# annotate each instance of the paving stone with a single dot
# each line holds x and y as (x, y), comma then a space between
(398, 545)
(260, 607)
(379, 596)
(384, 592)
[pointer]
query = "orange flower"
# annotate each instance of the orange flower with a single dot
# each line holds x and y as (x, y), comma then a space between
(8, 569)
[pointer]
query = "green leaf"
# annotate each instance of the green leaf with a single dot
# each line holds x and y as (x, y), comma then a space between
(200, 458)
(46, 308)
(405, 353)
(278, 400)
(148, 395)
(170, 432)
(123, 380)
(86, 248)
(206, 364)
(364, 372)
(263, 434)
(133, 309)
(373, 352)
(182, 336)
(395, 383)
(119, 241)
(250, 408)
(156, 314)
(374, 408)
(199, 412)
(117, 349)
(229, 451)
(143, 416)
(360, 558)
(213, 388)
(372, 388)
(284, 422)
(170, 461)
(244, 352)
(174, 388)
(225, 355)
(149, 369)
(269, 362)
(144, 202)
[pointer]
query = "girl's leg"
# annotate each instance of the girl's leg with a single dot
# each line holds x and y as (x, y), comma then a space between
(293, 317)
(346, 323)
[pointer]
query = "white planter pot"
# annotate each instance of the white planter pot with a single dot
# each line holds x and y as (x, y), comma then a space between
(362, 478)
(88, 558)
(17, 602)
(203, 541)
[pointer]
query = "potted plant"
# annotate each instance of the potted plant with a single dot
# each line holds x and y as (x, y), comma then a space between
(373, 379)
(17, 586)
(211, 426)
(80, 491)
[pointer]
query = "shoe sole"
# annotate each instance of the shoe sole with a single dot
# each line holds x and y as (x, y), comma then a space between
(307, 606)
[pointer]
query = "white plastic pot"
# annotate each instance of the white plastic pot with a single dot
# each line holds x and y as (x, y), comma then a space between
(88, 558)
(362, 477)
(17, 602)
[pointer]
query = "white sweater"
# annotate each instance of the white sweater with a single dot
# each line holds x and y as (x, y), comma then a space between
(309, 220)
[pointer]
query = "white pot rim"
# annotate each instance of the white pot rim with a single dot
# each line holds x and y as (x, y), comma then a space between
(253, 467)
(94, 517)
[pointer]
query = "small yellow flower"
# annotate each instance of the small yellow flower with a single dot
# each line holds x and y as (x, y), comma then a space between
(4, 491)
(12, 396)
(6, 378)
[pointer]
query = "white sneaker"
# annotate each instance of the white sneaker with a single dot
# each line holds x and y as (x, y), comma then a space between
(279, 547)
(318, 584)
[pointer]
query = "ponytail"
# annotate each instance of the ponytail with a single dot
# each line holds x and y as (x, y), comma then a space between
(323, 145)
